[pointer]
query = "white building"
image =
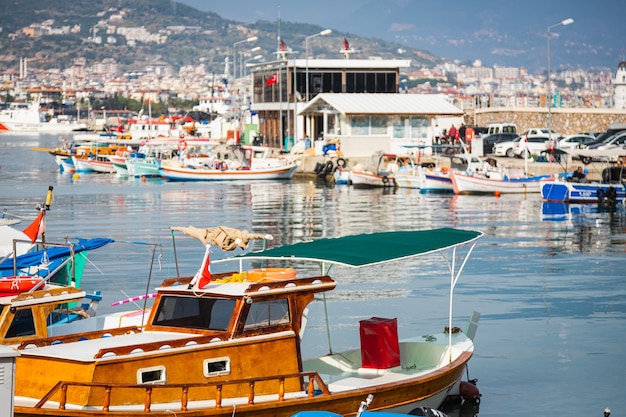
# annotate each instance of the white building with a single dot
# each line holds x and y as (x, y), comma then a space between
(620, 86)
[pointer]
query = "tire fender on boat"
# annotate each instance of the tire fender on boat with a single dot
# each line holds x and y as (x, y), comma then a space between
(341, 163)
(600, 194)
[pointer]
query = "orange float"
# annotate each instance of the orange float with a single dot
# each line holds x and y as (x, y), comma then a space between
(271, 274)
(18, 284)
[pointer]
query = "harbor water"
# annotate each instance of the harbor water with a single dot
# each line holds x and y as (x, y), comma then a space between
(548, 280)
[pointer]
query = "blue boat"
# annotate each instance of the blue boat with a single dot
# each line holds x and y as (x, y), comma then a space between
(557, 190)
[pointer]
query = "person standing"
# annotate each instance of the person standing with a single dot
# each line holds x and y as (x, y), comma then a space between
(436, 137)
(453, 134)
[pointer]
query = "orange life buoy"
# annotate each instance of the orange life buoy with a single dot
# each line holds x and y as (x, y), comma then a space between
(182, 145)
(18, 284)
(271, 274)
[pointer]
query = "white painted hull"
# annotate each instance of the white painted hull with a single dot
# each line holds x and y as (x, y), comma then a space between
(205, 174)
(365, 179)
(93, 165)
(436, 182)
(468, 184)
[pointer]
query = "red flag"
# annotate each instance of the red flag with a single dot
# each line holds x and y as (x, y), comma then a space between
(346, 45)
(36, 228)
(282, 45)
(272, 80)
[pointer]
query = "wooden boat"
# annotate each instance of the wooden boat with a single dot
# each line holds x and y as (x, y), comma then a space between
(380, 172)
(96, 163)
(223, 344)
(560, 190)
(242, 163)
(501, 182)
(437, 179)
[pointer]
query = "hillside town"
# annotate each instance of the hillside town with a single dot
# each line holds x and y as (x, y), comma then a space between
(81, 82)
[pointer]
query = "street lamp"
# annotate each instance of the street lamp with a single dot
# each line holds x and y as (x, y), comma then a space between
(306, 48)
(245, 75)
(250, 39)
(565, 22)
(241, 60)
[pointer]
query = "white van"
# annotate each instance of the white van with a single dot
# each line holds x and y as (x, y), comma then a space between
(501, 128)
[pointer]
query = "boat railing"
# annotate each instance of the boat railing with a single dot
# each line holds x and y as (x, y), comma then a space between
(315, 386)
(154, 346)
(77, 337)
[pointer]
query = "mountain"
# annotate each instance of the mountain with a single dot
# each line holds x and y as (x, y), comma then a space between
(498, 32)
(142, 32)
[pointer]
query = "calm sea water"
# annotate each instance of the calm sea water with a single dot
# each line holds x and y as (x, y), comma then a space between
(549, 281)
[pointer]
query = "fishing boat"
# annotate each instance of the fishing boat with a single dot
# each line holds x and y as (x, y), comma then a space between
(510, 181)
(237, 163)
(437, 179)
(380, 172)
(558, 189)
(230, 343)
(93, 163)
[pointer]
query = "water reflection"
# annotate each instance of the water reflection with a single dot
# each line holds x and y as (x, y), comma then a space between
(548, 280)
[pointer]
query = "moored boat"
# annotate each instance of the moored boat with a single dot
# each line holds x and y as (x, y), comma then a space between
(28, 117)
(211, 342)
(560, 190)
(380, 172)
(237, 163)
(498, 182)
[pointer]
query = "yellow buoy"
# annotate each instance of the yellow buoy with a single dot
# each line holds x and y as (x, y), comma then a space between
(76, 176)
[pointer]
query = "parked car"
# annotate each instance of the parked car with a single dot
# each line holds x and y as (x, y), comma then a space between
(501, 128)
(533, 145)
(506, 148)
(604, 139)
(617, 141)
(490, 141)
(539, 131)
(575, 141)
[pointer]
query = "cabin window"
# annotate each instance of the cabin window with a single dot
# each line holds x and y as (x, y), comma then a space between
(22, 324)
(216, 367)
(267, 314)
(153, 375)
(195, 313)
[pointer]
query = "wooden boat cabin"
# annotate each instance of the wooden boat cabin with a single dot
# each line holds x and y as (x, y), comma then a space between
(29, 316)
(229, 331)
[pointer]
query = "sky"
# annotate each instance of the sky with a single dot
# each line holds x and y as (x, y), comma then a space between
(500, 32)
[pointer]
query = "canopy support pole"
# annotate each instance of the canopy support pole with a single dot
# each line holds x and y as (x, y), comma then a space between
(454, 278)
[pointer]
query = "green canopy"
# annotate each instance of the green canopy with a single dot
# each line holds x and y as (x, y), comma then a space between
(369, 249)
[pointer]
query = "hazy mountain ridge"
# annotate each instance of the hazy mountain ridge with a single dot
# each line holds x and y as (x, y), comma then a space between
(172, 33)
(498, 32)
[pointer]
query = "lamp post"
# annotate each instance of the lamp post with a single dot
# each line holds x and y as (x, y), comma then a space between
(241, 60)
(245, 75)
(306, 47)
(565, 22)
(250, 39)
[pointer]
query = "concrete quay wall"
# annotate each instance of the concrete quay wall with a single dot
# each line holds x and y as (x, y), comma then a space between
(565, 121)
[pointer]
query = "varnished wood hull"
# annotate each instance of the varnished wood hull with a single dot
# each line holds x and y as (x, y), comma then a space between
(429, 390)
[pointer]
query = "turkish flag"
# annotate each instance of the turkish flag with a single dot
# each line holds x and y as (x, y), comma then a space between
(272, 80)
(36, 228)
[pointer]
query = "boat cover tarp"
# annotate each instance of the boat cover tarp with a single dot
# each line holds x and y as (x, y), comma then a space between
(371, 248)
(54, 253)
